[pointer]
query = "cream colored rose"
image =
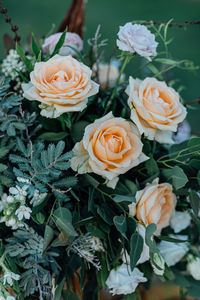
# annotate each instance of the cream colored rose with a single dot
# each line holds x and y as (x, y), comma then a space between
(62, 84)
(108, 74)
(155, 204)
(155, 108)
(110, 147)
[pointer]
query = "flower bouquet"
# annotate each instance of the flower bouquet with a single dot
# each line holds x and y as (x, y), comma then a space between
(99, 177)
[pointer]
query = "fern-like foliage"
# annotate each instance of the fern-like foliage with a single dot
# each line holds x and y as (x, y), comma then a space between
(25, 247)
(44, 167)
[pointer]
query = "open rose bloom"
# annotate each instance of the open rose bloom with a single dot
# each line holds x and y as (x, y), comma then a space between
(137, 38)
(155, 108)
(71, 40)
(155, 204)
(110, 147)
(62, 84)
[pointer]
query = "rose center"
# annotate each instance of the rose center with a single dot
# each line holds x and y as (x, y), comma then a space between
(61, 76)
(114, 142)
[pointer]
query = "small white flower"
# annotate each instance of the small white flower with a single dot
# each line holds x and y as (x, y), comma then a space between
(137, 38)
(23, 212)
(96, 244)
(193, 266)
(11, 222)
(9, 277)
(124, 281)
(24, 180)
(37, 198)
(180, 221)
(19, 193)
(10, 199)
(12, 64)
(159, 266)
(173, 252)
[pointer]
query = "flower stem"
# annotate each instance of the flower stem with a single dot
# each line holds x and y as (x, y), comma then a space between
(126, 61)
(137, 294)
(62, 121)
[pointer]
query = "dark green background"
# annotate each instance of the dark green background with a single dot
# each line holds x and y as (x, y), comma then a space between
(38, 15)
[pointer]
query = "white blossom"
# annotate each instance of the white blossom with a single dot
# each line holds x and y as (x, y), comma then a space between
(9, 277)
(96, 244)
(37, 198)
(23, 212)
(137, 38)
(124, 281)
(173, 252)
(19, 193)
(180, 221)
(193, 266)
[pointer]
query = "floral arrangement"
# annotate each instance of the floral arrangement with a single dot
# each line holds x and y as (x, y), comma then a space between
(99, 177)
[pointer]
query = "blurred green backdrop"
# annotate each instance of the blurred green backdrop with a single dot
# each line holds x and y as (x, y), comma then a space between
(39, 15)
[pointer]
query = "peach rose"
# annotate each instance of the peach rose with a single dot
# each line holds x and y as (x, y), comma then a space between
(110, 147)
(62, 84)
(155, 204)
(155, 108)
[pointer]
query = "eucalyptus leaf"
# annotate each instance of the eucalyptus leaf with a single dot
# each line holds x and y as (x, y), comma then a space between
(136, 245)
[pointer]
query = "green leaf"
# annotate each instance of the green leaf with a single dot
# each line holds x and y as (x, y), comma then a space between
(166, 61)
(120, 223)
(154, 70)
(152, 167)
(179, 178)
(195, 202)
(171, 240)
(53, 136)
(177, 175)
(58, 291)
(23, 57)
(78, 130)
(67, 295)
(59, 44)
(64, 213)
(48, 236)
(129, 297)
(131, 186)
(149, 232)
(136, 245)
(35, 49)
(66, 226)
(121, 198)
(3, 167)
(91, 180)
(63, 221)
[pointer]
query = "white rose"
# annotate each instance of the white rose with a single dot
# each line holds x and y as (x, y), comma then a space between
(71, 39)
(173, 252)
(193, 266)
(137, 38)
(124, 281)
(180, 221)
